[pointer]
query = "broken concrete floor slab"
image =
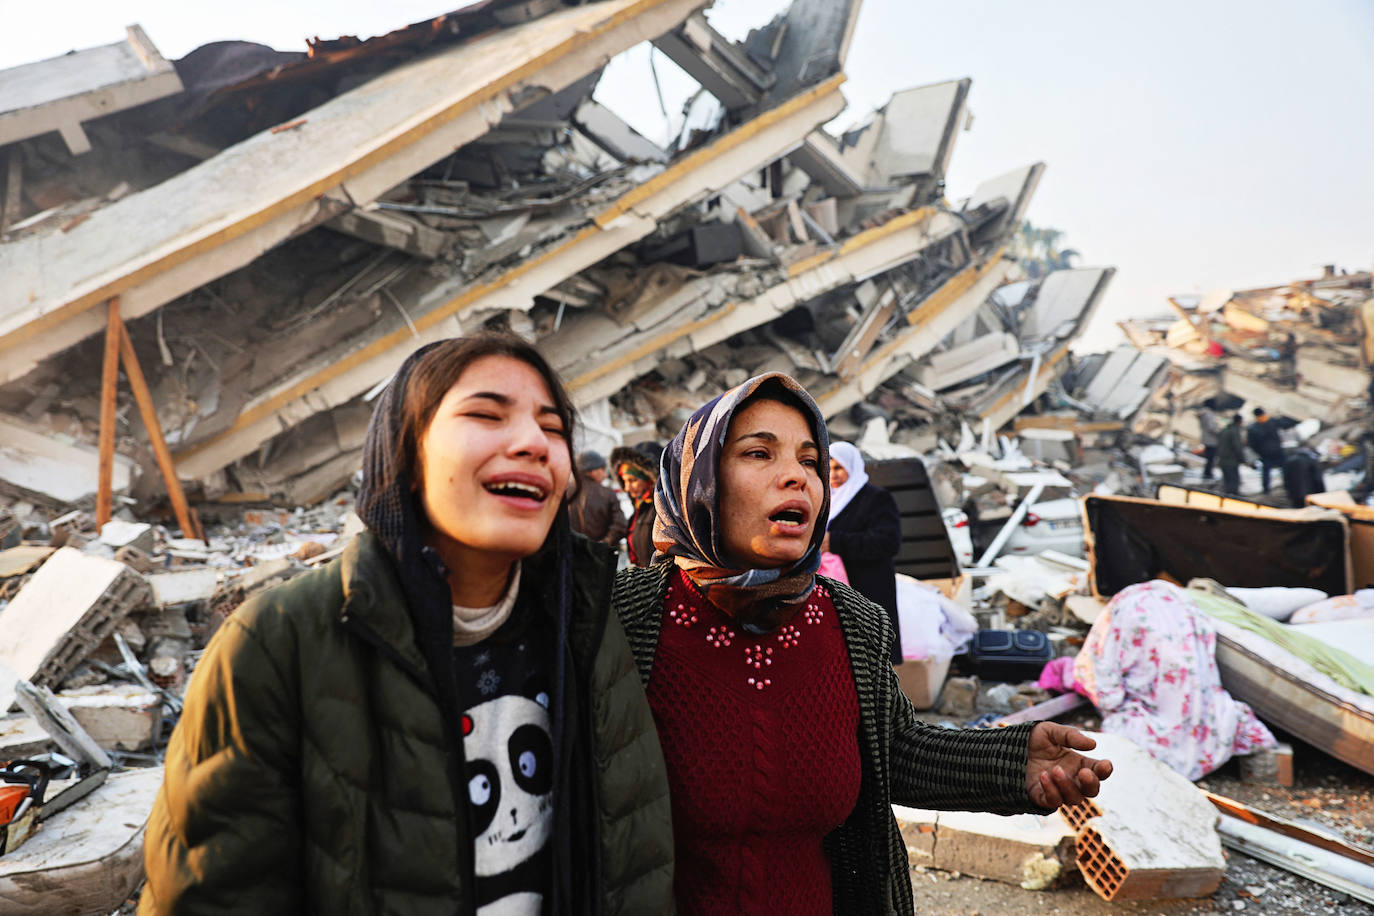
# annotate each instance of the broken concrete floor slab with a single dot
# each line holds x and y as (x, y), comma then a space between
(1150, 833)
(90, 856)
(1032, 851)
(69, 606)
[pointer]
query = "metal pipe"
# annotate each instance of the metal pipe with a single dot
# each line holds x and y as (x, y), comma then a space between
(1005, 534)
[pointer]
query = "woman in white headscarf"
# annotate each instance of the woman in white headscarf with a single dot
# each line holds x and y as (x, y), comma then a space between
(865, 531)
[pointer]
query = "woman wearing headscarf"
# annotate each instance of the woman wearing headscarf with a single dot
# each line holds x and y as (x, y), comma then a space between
(865, 531)
(638, 473)
(446, 719)
(786, 735)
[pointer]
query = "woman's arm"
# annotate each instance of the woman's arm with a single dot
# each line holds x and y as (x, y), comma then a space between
(956, 769)
(225, 833)
(879, 534)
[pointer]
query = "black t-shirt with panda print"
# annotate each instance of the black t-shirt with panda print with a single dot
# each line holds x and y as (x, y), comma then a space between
(505, 683)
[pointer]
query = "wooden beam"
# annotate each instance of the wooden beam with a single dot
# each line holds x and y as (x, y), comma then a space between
(109, 384)
(190, 526)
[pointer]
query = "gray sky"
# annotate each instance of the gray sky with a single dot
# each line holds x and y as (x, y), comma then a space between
(1193, 144)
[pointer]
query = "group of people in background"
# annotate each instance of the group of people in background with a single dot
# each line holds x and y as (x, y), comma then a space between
(470, 711)
(1224, 447)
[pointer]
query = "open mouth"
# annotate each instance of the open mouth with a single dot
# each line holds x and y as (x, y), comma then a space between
(515, 837)
(788, 517)
(517, 490)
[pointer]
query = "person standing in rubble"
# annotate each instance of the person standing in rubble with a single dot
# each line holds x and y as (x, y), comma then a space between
(1264, 439)
(446, 718)
(786, 733)
(638, 473)
(1231, 455)
(1211, 432)
(865, 531)
(595, 510)
(1302, 474)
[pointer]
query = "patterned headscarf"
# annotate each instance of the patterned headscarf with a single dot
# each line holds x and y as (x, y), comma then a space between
(687, 498)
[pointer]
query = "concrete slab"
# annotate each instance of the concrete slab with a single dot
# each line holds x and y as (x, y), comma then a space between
(1032, 851)
(35, 464)
(181, 586)
(59, 93)
(224, 212)
(69, 606)
(1150, 833)
(89, 857)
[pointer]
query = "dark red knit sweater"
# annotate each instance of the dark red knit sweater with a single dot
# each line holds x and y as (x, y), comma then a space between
(760, 737)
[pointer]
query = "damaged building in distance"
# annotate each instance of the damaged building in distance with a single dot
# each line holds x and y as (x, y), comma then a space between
(280, 230)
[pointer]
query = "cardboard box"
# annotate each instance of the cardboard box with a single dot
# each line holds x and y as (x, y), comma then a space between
(923, 680)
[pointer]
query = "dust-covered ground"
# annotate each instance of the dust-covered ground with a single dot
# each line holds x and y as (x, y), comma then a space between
(1327, 795)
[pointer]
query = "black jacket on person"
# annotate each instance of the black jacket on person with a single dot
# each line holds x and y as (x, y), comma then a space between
(867, 536)
(1302, 476)
(1263, 437)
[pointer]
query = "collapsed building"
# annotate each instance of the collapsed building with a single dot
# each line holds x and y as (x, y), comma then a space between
(280, 230)
(1300, 350)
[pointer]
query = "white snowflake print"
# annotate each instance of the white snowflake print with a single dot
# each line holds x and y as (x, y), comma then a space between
(488, 682)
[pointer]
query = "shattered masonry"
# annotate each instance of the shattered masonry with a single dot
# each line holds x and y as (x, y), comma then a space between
(282, 231)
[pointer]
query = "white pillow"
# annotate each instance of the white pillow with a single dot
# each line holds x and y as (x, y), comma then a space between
(1276, 601)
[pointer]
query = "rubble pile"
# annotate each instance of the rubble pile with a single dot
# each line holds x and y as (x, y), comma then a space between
(275, 232)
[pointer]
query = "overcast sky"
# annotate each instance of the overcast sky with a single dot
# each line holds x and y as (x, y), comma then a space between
(1193, 144)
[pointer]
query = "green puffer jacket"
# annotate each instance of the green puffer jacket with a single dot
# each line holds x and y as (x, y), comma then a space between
(311, 771)
(904, 760)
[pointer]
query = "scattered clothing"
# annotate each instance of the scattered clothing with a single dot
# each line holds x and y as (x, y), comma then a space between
(1341, 666)
(1149, 666)
(1339, 607)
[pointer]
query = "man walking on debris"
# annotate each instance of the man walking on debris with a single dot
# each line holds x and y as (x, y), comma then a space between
(1211, 429)
(1263, 438)
(1230, 456)
(595, 511)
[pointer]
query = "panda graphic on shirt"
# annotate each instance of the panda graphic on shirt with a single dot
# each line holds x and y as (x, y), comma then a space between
(509, 752)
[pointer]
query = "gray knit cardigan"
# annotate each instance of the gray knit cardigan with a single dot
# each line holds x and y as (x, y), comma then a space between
(905, 761)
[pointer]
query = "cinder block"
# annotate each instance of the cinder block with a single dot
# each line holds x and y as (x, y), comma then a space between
(61, 614)
(1150, 833)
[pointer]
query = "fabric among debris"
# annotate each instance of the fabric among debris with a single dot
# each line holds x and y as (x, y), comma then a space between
(1339, 665)
(1149, 665)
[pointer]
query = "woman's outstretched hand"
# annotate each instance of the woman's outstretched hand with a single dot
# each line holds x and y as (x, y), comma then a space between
(1056, 773)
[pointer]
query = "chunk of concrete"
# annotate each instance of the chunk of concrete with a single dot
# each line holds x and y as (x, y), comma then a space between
(117, 533)
(69, 606)
(1032, 851)
(120, 717)
(1149, 834)
(182, 586)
